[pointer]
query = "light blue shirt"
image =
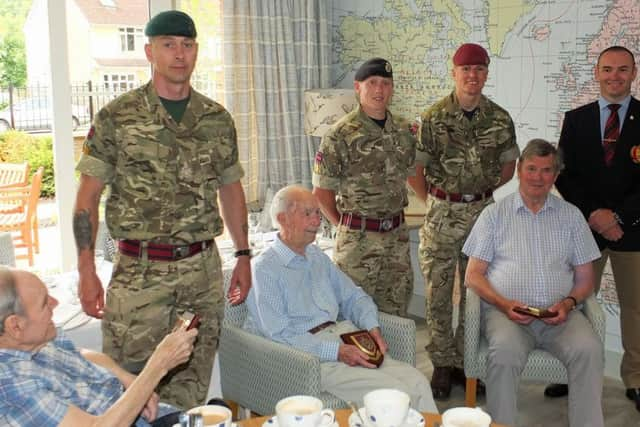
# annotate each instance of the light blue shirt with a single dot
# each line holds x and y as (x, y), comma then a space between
(291, 294)
(531, 256)
(603, 104)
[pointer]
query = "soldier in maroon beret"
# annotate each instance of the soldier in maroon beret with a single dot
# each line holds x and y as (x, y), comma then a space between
(466, 149)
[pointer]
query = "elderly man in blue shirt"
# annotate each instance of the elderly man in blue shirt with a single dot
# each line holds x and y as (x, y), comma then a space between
(45, 381)
(297, 296)
(532, 249)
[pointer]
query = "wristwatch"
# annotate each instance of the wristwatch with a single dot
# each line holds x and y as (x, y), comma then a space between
(242, 252)
(575, 301)
(617, 218)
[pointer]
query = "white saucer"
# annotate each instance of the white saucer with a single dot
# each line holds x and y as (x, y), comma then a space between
(414, 419)
(273, 422)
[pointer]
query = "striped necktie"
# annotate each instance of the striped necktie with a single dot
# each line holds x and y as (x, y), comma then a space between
(611, 134)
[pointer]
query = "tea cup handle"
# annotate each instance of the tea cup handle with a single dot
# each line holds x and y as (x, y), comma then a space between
(327, 417)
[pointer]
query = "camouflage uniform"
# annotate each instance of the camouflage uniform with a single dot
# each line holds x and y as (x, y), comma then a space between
(163, 180)
(367, 167)
(460, 156)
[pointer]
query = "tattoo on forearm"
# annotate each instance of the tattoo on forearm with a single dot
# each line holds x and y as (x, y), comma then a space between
(83, 230)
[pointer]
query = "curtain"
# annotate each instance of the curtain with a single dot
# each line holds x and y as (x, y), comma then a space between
(273, 51)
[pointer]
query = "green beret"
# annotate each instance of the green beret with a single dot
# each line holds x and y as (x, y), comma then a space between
(374, 67)
(171, 23)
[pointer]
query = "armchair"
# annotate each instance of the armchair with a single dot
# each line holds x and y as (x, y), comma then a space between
(541, 365)
(256, 372)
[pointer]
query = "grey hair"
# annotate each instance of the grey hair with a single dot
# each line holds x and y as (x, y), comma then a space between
(282, 202)
(541, 148)
(9, 301)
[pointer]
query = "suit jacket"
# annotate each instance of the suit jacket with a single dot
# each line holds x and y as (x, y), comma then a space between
(589, 184)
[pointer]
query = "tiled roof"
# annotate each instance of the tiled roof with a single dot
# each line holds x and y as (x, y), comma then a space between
(126, 12)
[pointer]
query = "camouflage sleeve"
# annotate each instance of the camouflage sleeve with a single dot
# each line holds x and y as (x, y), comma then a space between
(328, 163)
(425, 141)
(510, 150)
(232, 171)
(99, 151)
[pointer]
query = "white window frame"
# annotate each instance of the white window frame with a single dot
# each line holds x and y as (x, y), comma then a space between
(133, 35)
(119, 82)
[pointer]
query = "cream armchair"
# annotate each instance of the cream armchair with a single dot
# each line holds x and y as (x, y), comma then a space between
(256, 372)
(541, 365)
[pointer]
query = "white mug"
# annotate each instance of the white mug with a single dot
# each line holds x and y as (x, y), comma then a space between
(465, 417)
(213, 415)
(386, 407)
(303, 411)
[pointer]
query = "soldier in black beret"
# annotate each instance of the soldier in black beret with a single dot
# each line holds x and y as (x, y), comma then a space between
(359, 179)
(166, 151)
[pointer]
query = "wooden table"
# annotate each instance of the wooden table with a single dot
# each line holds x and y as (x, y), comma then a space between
(342, 416)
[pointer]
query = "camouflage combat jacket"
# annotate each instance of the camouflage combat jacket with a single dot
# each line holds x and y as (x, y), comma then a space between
(462, 155)
(163, 176)
(367, 166)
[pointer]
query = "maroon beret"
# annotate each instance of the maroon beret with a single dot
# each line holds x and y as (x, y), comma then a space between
(471, 54)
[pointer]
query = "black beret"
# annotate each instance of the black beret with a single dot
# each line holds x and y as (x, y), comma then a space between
(374, 67)
(171, 23)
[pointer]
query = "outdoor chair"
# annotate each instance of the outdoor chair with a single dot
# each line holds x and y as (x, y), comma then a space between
(23, 221)
(14, 175)
(541, 365)
(256, 372)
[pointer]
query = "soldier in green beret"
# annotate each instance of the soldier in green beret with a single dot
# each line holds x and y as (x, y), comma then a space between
(167, 153)
(359, 179)
(466, 149)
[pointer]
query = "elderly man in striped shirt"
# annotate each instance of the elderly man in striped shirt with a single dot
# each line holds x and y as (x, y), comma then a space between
(532, 249)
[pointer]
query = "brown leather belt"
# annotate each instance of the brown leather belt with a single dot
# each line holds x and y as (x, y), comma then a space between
(161, 251)
(458, 197)
(321, 326)
(383, 225)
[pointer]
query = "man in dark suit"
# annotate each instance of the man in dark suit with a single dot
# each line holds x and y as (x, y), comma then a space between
(601, 145)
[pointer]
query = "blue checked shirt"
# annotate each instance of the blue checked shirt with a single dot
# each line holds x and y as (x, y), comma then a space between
(531, 256)
(36, 389)
(291, 294)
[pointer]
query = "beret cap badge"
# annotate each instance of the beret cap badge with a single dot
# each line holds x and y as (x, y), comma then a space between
(374, 67)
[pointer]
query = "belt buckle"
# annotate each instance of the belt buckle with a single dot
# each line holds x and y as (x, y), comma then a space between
(180, 252)
(386, 224)
(468, 197)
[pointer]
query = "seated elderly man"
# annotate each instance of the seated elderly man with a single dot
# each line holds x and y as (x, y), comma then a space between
(45, 381)
(298, 295)
(532, 249)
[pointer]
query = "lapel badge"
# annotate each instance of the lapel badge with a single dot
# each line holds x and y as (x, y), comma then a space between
(635, 154)
(631, 117)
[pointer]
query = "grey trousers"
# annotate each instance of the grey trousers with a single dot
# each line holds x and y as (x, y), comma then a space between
(574, 343)
(351, 383)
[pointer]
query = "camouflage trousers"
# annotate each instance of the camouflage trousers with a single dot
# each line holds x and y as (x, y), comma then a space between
(143, 300)
(442, 236)
(378, 262)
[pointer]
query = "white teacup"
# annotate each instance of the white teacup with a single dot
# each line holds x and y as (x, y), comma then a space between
(465, 417)
(213, 415)
(303, 411)
(386, 407)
